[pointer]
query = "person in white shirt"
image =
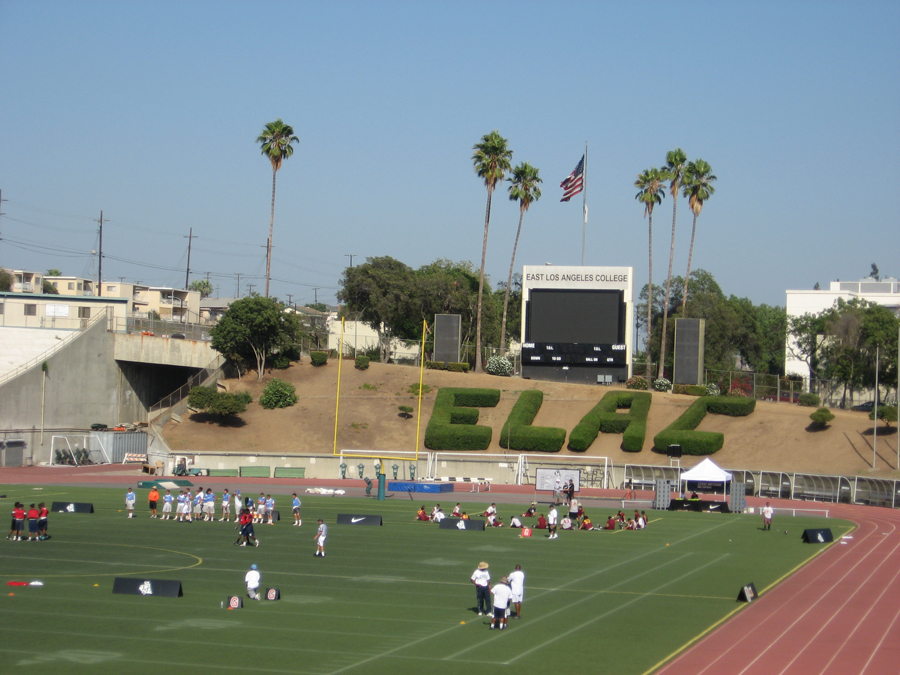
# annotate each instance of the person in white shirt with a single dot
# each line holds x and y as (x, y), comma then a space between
(438, 516)
(566, 523)
(517, 586)
(515, 522)
(252, 579)
(482, 579)
(491, 510)
(767, 513)
(502, 595)
(551, 523)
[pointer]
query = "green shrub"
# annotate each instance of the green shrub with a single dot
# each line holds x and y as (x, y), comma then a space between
(435, 365)
(603, 417)
(200, 398)
(662, 384)
(637, 382)
(226, 405)
(244, 397)
(362, 362)
(454, 416)
(278, 394)
(280, 362)
(886, 413)
(809, 400)
(695, 390)
(292, 352)
(318, 358)
(458, 367)
(498, 365)
(733, 407)
(517, 432)
(405, 411)
(821, 417)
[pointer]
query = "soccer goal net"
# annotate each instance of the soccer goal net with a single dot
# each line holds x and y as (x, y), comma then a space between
(77, 450)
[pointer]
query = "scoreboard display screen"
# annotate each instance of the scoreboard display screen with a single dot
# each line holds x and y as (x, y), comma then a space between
(576, 316)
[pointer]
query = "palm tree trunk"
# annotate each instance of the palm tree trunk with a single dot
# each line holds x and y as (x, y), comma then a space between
(648, 367)
(508, 283)
(487, 222)
(269, 242)
(662, 349)
(688, 275)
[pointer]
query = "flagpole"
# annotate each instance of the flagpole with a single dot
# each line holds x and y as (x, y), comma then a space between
(584, 207)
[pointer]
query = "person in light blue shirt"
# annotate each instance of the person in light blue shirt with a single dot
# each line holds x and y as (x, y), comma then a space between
(270, 508)
(167, 505)
(209, 505)
(129, 502)
(295, 506)
(226, 507)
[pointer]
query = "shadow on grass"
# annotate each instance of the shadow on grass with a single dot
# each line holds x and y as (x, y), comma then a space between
(231, 421)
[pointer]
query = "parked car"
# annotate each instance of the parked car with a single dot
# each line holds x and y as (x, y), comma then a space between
(866, 407)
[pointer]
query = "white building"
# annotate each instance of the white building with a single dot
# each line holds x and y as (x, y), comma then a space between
(885, 292)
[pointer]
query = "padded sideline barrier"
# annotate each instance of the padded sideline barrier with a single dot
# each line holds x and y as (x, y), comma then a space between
(72, 507)
(474, 524)
(159, 587)
(358, 519)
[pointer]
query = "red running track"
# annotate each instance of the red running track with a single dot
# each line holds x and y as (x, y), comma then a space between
(837, 615)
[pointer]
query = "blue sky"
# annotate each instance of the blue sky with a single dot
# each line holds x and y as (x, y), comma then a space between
(150, 111)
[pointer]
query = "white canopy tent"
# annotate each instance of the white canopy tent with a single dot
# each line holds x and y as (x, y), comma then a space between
(707, 472)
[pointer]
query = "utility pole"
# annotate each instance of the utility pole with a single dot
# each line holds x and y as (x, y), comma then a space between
(1, 203)
(316, 295)
(250, 288)
(351, 256)
(289, 296)
(100, 260)
(239, 284)
(187, 272)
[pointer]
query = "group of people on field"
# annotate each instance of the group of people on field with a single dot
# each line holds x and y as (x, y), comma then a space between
(35, 516)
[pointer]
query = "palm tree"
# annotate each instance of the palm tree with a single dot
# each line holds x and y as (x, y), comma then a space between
(523, 186)
(650, 193)
(674, 173)
(698, 179)
(491, 160)
(275, 142)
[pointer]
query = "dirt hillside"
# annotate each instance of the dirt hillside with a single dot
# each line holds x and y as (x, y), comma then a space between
(776, 437)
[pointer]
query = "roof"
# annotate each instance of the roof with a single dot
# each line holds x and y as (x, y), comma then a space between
(708, 472)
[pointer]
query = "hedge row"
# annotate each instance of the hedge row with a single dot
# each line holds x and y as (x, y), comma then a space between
(453, 424)
(603, 417)
(444, 365)
(518, 434)
(682, 430)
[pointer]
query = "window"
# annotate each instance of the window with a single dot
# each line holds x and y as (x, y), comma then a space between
(55, 284)
(71, 285)
(1, 309)
(30, 310)
(110, 289)
(79, 286)
(84, 312)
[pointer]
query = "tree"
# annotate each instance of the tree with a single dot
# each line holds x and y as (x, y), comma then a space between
(674, 170)
(276, 142)
(53, 272)
(203, 286)
(255, 327)
(491, 161)
(381, 293)
(698, 179)
(650, 193)
(318, 306)
(48, 288)
(523, 186)
(6, 281)
(874, 273)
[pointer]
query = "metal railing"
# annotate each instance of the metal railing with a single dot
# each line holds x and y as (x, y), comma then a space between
(159, 328)
(182, 392)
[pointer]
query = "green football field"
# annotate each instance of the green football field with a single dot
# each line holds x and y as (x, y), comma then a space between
(391, 599)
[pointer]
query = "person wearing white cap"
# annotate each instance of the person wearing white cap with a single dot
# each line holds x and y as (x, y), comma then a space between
(252, 578)
(482, 579)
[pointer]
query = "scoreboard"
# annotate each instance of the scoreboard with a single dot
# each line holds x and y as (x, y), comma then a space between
(577, 323)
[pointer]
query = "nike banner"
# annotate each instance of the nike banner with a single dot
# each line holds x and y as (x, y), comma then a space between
(357, 519)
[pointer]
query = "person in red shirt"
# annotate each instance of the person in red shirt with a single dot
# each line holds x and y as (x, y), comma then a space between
(541, 523)
(33, 514)
(18, 523)
(43, 513)
(610, 524)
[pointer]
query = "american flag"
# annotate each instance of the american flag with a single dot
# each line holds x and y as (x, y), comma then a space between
(574, 183)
